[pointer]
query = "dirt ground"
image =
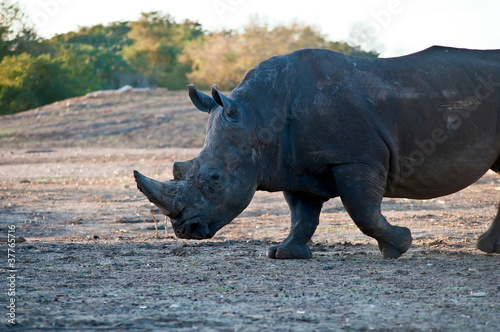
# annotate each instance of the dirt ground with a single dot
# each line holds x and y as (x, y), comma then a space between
(91, 259)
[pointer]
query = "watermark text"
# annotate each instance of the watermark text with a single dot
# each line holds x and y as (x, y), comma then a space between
(11, 274)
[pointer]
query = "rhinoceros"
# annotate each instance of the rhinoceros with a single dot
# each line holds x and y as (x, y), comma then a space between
(316, 124)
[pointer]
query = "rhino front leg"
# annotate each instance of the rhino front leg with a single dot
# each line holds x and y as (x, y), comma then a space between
(361, 189)
(490, 240)
(305, 210)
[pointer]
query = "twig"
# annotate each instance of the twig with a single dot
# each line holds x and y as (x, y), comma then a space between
(166, 223)
(156, 224)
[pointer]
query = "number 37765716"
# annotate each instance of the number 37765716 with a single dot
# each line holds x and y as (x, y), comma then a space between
(11, 243)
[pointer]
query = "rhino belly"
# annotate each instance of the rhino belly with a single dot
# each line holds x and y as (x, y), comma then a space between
(445, 160)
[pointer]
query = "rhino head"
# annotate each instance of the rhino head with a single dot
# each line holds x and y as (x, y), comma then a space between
(209, 191)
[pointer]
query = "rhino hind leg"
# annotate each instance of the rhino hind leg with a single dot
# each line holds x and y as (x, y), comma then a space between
(305, 210)
(490, 240)
(361, 190)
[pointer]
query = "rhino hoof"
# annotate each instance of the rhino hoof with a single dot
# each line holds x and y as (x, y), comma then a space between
(488, 243)
(399, 245)
(297, 251)
(389, 251)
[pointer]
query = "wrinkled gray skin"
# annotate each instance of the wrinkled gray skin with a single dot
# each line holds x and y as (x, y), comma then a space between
(317, 124)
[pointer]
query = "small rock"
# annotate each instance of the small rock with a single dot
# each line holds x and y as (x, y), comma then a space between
(130, 220)
(478, 294)
(6, 239)
(180, 251)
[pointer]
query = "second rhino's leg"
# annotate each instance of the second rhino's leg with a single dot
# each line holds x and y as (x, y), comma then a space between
(305, 210)
(490, 240)
(361, 189)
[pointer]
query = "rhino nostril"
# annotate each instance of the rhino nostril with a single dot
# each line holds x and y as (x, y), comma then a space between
(193, 227)
(199, 230)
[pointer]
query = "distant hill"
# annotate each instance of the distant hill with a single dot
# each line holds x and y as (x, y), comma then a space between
(136, 118)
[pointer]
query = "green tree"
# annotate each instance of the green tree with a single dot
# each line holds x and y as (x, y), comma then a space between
(27, 82)
(16, 35)
(113, 36)
(94, 68)
(94, 56)
(158, 40)
(10, 15)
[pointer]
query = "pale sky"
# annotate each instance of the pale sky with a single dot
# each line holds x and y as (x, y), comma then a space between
(400, 26)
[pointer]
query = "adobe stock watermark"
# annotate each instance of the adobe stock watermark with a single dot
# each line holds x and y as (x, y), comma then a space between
(380, 19)
(49, 9)
(222, 7)
(11, 274)
(453, 117)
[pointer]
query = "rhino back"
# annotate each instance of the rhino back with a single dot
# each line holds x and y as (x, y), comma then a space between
(430, 119)
(440, 119)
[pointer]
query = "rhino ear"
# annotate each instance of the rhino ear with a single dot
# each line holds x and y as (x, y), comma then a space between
(202, 102)
(229, 106)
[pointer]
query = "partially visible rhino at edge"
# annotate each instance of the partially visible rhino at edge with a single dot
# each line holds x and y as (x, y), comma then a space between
(316, 125)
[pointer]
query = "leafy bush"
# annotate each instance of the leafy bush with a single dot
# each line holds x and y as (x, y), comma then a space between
(27, 82)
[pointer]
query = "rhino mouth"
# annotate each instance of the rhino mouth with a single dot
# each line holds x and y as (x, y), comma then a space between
(192, 227)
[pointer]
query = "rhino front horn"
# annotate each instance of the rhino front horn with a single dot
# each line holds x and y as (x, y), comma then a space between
(165, 195)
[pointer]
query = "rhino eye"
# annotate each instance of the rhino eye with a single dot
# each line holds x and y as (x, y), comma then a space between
(232, 113)
(213, 184)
